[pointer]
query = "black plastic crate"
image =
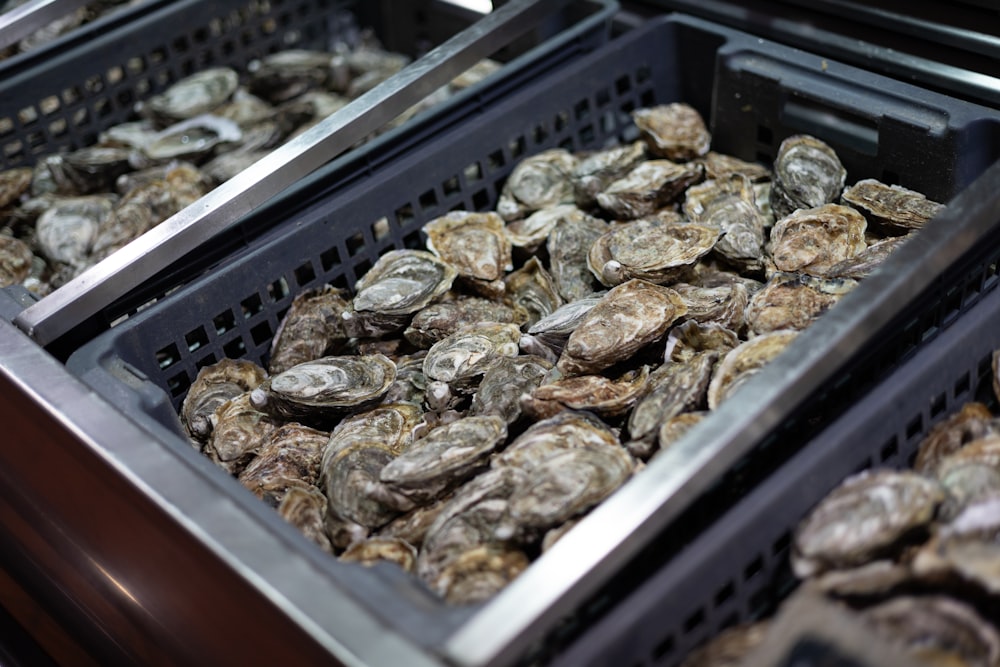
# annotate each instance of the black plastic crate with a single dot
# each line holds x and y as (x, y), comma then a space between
(62, 96)
(754, 93)
(738, 569)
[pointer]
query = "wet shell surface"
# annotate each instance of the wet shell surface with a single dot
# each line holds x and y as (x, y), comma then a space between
(473, 243)
(743, 362)
(674, 131)
(814, 240)
(807, 174)
(793, 301)
(290, 456)
(195, 95)
(214, 385)
(463, 357)
(538, 182)
(649, 249)
(891, 206)
(648, 187)
(314, 324)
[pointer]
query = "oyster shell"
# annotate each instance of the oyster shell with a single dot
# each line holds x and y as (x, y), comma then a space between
(867, 516)
(312, 327)
(565, 430)
(970, 474)
(936, 630)
(565, 484)
(673, 388)
(724, 305)
(743, 362)
(547, 337)
(690, 339)
(15, 260)
(594, 393)
(399, 284)
(568, 245)
(673, 429)
(289, 73)
(863, 263)
(731, 206)
(214, 385)
(504, 383)
(892, 208)
(413, 526)
(445, 457)
(531, 232)
(193, 95)
(878, 577)
(238, 431)
(649, 249)
(89, 170)
(66, 231)
(794, 301)
(326, 388)
(533, 291)
(350, 477)
(475, 245)
(479, 573)
(461, 358)
(290, 455)
(807, 174)
(628, 317)
(375, 549)
(814, 240)
(439, 320)
(538, 182)
(596, 171)
(674, 131)
(305, 508)
(192, 138)
(972, 422)
(649, 186)
(410, 383)
(721, 166)
(14, 183)
(968, 546)
(729, 647)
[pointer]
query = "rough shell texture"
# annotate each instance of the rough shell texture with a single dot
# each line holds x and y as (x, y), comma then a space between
(863, 263)
(566, 430)
(894, 208)
(649, 249)
(743, 362)
(473, 243)
(730, 205)
(595, 393)
(673, 429)
(596, 171)
(972, 422)
(674, 131)
(194, 95)
(568, 245)
(673, 388)
(463, 357)
(867, 516)
(505, 383)
(214, 385)
(439, 320)
(814, 240)
(540, 181)
(305, 508)
(629, 317)
(532, 291)
(290, 455)
(238, 432)
(15, 260)
(793, 301)
(377, 549)
(312, 327)
(807, 174)
(649, 186)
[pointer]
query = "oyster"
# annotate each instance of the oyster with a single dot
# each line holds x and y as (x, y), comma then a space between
(867, 516)
(15, 260)
(533, 291)
(673, 131)
(813, 240)
(413, 526)
(289, 456)
(238, 431)
(133, 134)
(968, 546)
(89, 170)
(568, 246)
(479, 573)
(287, 74)
(731, 206)
(720, 166)
(504, 383)
(410, 383)
(399, 284)
(531, 232)
(649, 186)
(350, 477)
(596, 171)
(538, 182)
(743, 362)
(214, 385)
(14, 183)
(475, 245)
(972, 422)
(807, 174)
(193, 95)
(878, 577)
(970, 474)
(312, 327)
(594, 393)
(395, 426)
(891, 208)
(673, 388)
(326, 388)
(649, 249)
(547, 337)
(729, 647)
(724, 305)
(305, 508)
(444, 457)
(629, 317)
(563, 485)
(673, 429)
(461, 358)
(794, 301)
(565, 430)
(65, 232)
(863, 263)
(246, 110)
(439, 320)
(192, 138)
(936, 630)
(690, 339)
(375, 549)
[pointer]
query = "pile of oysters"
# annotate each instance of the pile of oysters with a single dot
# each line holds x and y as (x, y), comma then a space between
(915, 553)
(62, 25)
(74, 209)
(456, 415)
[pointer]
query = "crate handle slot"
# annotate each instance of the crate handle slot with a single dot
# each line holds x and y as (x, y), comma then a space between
(853, 130)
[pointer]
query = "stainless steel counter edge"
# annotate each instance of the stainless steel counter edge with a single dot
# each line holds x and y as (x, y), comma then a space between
(600, 545)
(332, 619)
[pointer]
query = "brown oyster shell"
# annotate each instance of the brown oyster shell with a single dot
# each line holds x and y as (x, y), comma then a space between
(807, 174)
(312, 327)
(214, 385)
(538, 182)
(674, 131)
(814, 240)
(892, 208)
(649, 249)
(741, 363)
(649, 186)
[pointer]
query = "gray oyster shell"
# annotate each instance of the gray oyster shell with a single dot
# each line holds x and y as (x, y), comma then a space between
(648, 187)
(287, 74)
(214, 385)
(794, 301)
(596, 171)
(807, 174)
(461, 359)
(674, 131)
(673, 429)
(892, 208)
(970, 474)
(193, 95)
(531, 232)
(649, 249)
(445, 457)
(475, 245)
(66, 231)
(814, 240)
(594, 393)
(968, 547)
(325, 388)
(972, 422)
(305, 508)
(863, 263)
(547, 337)
(744, 361)
(538, 182)
(15, 260)
(629, 317)
(865, 517)
(288, 457)
(192, 138)
(505, 382)
(377, 549)
(238, 431)
(14, 183)
(568, 245)
(720, 166)
(441, 319)
(673, 388)
(350, 477)
(90, 170)
(565, 430)
(532, 291)
(690, 339)
(730, 205)
(724, 305)
(479, 573)
(312, 327)
(399, 284)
